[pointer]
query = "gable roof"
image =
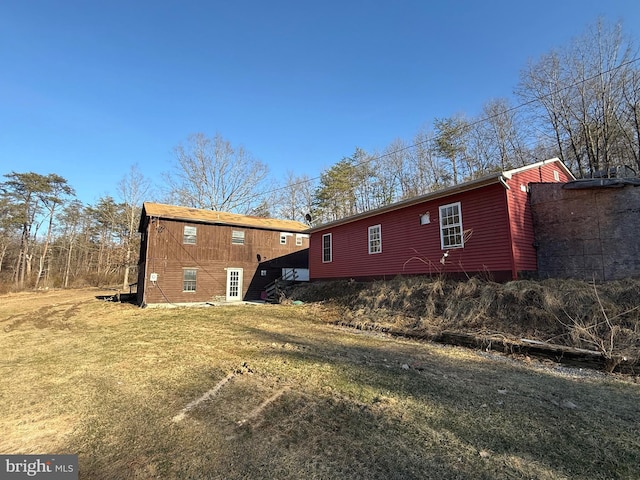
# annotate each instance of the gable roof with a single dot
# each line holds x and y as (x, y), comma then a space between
(198, 215)
(501, 177)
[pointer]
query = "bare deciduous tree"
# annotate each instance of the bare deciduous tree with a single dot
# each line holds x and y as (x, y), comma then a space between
(500, 136)
(295, 200)
(212, 174)
(133, 189)
(584, 96)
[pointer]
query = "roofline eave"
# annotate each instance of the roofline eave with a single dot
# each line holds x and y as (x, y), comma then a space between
(445, 192)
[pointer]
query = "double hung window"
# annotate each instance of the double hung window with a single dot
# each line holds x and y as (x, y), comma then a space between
(327, 254)
(451, 235)
(375, 239)
(189, 235)
(189, 279)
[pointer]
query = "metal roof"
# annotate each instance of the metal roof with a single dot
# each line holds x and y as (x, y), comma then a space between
(198, 215)
(501, 177)
(461, 187)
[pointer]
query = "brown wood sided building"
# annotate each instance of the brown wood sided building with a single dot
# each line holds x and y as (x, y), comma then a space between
(189, 255)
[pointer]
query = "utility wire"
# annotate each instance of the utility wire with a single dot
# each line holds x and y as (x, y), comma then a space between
(471, 124)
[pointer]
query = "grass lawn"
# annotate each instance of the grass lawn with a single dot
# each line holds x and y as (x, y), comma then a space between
(265, 391)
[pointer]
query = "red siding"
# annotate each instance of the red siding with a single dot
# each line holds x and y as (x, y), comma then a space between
(521, 220)
(411, 248)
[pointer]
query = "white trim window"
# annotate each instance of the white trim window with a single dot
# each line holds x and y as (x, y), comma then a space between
(375, 239)
(451, 226)
(189, 235)
(189, 276)
(300, 239)
(283, 237)
(237, 237)
(327, 248)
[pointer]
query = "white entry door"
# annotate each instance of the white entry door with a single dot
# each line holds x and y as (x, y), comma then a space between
(234, 284)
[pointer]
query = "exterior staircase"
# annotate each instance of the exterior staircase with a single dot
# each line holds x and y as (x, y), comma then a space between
(274, 290)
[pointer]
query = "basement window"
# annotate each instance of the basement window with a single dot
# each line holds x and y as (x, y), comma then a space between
(451, 226)
(189, 280)
(189, 235)
(237, 237)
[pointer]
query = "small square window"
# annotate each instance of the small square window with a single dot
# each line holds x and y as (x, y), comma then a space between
(298, 240)
(283, 239)
(237, 237)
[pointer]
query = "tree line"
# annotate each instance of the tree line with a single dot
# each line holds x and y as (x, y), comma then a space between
(48, 238)
(579, 102)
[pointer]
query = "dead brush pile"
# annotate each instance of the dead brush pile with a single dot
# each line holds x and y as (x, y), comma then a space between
(603, 317)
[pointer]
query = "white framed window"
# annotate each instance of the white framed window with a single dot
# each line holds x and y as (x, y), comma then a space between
(189, 235)
(327, 247)
(237, 237)
(451, 226)
(283, 237)
(300, 238)
(189, 279)
(375, 239)
(556, 176)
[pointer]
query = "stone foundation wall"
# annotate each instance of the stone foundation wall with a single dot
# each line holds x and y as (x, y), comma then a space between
(586, 234)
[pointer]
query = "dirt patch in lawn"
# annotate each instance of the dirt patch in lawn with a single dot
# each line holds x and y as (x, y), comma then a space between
(306, 399)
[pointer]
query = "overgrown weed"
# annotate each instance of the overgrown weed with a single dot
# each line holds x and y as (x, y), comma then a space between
(603, 317)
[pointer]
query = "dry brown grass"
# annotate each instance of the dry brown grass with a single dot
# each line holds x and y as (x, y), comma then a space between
(604, 317)
(304, 399)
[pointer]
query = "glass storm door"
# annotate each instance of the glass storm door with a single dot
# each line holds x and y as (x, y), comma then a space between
(234, 284)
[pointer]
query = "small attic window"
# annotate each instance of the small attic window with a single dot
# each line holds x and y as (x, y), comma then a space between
(425, 218)
(556, 176)
(283, 237)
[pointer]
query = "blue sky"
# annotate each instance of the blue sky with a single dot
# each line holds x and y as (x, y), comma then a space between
(90, 88)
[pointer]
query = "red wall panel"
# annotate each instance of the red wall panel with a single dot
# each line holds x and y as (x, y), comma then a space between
(521, 220)
(411, 248)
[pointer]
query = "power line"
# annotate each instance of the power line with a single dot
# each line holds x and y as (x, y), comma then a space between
(471, 124)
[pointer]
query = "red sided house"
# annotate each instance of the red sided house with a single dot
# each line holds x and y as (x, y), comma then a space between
(189, 255)
(483, 226)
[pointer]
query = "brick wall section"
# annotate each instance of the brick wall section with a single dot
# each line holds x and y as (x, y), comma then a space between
(586, 233)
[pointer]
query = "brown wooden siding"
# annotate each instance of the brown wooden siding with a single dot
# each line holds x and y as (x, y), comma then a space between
(411, 248)
(211, 255)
